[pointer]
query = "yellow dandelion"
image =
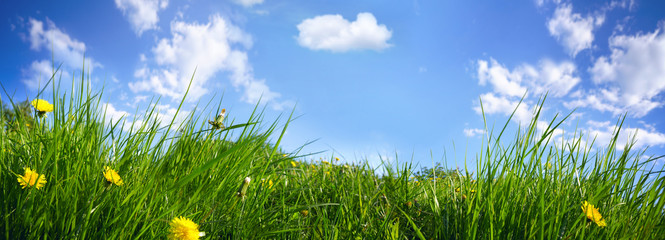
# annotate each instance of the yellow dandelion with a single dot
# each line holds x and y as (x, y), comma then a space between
(183, 228)
(268, 183)
(463, 196)
(304, 213)
(294, 164)
(473, 191)
(42, 106)
(457, 190)
(112, 176)
(31, 178)
(336, 159)
(592, 214)
(325, 162)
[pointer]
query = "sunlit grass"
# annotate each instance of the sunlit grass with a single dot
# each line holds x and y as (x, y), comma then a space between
(105, 181)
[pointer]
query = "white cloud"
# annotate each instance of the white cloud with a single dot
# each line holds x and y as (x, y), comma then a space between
(557, 79)
(596, 99)
(142, 14)
(540, 3)
(572, 30)
(209, 48)
(38, 74)
(68, 51)
(604, 132)
(492, 104)
(163, 114)
(503, 81)
(471, 132)
(334, 33)
(248, 3)
(523, 115)
(635, 70)
(548, 77)
(166, 114)
(113, 114)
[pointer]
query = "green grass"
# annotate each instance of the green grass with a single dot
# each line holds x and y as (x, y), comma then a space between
(192, 171)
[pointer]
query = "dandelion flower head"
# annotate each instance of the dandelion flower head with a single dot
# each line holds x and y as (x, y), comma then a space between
(267, 183)
(112, 176)
(184, 229)
(42, 106)
(31, 178)
(593, 214)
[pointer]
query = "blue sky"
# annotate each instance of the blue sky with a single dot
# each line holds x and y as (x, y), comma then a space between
(366, 78)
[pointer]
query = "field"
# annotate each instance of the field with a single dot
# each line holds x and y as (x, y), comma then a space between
(89, 179)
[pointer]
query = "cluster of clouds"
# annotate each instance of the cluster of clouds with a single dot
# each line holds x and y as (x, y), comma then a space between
(198, 53)
(629, 80)
(209, 48)
(194, 54)
(45, 36)
(219, 46)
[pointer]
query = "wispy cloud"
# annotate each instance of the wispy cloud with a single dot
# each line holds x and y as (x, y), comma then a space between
(472, 132)
(248, 3)
(142, 14)
(572, 30)
(557, 79)
(46, 36)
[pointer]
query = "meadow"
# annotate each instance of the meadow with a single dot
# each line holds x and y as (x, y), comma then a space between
(216, 178)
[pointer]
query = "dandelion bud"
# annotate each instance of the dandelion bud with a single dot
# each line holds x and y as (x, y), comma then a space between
(218, 123)
(242, 191)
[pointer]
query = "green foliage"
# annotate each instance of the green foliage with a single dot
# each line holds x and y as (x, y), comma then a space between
(526, 188)
(11, 118)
